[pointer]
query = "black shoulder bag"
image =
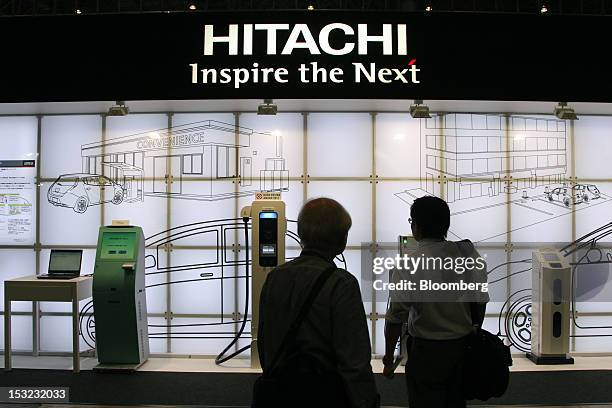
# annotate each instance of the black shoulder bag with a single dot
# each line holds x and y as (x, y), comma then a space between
(268, 388)
(486, 373)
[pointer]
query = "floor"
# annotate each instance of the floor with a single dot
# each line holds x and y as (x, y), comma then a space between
(207, 365)
(162, 406)
(238, 365)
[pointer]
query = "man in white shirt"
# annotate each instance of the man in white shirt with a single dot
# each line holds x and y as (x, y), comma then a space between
(438, 321)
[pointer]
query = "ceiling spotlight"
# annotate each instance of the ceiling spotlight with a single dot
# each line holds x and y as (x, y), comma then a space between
(562, 111)
(267, 108)
(544, 9)
(310, 7)
(192, 6)
(78, 11)
(419, 111)
(119, 109)
(428, 7)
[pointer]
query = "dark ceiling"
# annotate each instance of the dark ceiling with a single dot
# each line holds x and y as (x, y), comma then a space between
(59, 7)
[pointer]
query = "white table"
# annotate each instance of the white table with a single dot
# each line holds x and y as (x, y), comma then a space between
(29, 288)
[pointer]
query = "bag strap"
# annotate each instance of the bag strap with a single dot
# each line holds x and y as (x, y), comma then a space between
(463, 246)
(297, 323)
(473, 313)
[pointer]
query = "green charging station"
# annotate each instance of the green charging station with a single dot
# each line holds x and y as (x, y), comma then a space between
(119, 298)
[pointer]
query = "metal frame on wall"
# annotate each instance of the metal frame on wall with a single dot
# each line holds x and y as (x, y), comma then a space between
(373, 316)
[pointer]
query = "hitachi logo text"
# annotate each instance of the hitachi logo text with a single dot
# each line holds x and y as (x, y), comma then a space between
(392, 37)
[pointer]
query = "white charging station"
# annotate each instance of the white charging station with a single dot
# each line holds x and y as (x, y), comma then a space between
(550, 308)
(268, 229)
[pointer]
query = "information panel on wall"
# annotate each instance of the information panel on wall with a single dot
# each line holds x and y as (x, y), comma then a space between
(17, 195)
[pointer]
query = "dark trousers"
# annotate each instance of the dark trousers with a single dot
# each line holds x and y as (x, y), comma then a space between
(434, 373)
(301, 391)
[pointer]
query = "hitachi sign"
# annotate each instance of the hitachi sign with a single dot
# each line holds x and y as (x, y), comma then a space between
(300, 37)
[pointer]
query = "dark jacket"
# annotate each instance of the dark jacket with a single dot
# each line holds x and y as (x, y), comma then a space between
(334, 332)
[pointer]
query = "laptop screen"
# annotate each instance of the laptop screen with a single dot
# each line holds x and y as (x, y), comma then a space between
(65, 261)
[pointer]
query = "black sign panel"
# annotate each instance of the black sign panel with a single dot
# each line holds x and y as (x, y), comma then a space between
(304, 55)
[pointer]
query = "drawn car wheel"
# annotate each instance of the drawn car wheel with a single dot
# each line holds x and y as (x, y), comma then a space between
(81, 205)
(118, 198)
(550, 198)
(585, 198)
(566, 201)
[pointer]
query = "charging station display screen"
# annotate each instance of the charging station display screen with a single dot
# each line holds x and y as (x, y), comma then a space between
(268, 250)
(268, 215)
(268, 236)
(118, 245)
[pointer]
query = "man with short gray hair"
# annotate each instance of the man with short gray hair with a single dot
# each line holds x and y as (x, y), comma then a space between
(330, 357)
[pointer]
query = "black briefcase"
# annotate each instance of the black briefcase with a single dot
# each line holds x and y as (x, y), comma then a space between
(486, 368)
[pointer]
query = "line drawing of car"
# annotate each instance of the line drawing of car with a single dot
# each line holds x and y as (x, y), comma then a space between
(80, 191)
(592, 190)
(580, 193)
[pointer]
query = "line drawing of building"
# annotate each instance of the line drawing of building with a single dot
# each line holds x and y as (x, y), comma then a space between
(166, 162)
(470, 150)
(481, 162)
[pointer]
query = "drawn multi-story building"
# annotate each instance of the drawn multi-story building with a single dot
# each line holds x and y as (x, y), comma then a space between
(476, 151)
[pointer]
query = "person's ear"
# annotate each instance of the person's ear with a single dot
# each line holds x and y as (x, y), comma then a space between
(343, 247)
(416, 231)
